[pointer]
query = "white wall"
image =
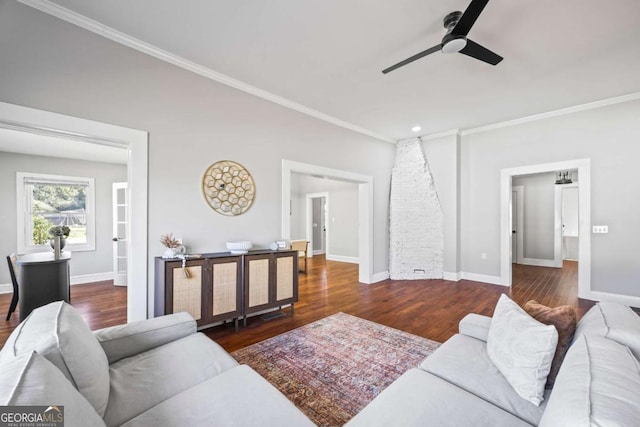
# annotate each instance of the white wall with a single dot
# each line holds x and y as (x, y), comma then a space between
(342, 221)
(192, 123)
(608, 136)
(82, 263)
(539, 218)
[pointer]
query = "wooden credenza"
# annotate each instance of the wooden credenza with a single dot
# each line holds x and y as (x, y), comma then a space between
(221, 286)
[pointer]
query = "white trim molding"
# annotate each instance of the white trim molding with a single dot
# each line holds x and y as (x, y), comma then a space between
(494, 280)
(81, 279)
(584, 193)
(365, 208)
(343, 258)
(452, 277)
(379, 277)
(163, 55)
(538, 262)
(140, 292)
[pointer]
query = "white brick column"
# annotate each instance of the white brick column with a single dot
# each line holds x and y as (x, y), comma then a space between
(416, 231)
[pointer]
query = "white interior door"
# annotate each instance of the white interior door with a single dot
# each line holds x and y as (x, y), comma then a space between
(514, 227)
(570, 223)
(120, 233)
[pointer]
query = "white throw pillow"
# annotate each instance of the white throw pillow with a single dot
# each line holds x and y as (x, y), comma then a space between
(521, 348)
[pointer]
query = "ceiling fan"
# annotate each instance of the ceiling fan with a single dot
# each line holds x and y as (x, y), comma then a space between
(458, 25)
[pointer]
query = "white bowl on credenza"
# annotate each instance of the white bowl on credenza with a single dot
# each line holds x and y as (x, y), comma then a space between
(239, 247)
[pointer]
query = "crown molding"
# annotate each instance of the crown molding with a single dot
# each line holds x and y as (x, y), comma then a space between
(96, 27)
(554, 113)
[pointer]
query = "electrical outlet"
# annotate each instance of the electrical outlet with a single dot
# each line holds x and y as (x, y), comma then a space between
(600, 229)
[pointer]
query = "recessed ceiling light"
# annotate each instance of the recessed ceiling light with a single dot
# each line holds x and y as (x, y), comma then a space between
(416, 128)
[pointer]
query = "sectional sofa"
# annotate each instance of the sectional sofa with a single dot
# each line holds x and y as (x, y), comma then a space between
(161, 372)
(156, 372)
(458, 385)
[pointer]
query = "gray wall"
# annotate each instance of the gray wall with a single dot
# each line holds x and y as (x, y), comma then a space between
(609, 137)
(86, 262)
(539, 214)
(192, 122)
(343, 212)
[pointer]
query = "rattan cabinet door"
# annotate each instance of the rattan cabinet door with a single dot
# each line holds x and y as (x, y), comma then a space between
(187, 289)
(226, 290)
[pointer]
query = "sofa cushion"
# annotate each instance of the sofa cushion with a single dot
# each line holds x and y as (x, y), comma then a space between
(142, 381)
(614, 321)
(564, 320)
(238, 397)
(521, 348)
(30, 379)
(464, 362)
(418, 399)
(598, 384)
(57, 332)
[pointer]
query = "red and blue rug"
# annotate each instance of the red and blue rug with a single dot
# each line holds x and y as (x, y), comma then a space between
(334, 367)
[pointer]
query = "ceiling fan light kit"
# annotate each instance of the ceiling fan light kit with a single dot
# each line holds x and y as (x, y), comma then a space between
(458, 25)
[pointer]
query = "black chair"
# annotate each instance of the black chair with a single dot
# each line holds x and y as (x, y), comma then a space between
(11, 260)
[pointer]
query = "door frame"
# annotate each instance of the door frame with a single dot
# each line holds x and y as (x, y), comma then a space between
(557, 236)
(309, 224)
(584, 193)
(365, 209)
(56, 125)
(115, 186)
(519, 189)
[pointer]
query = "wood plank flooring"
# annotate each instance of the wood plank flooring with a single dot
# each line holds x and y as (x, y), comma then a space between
(428, 308)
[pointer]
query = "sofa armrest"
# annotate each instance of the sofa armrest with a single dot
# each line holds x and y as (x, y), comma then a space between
(127, 340)
(475, 326)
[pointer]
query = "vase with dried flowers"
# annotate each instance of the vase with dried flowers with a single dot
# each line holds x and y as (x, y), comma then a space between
(173, 245)
(60, 231)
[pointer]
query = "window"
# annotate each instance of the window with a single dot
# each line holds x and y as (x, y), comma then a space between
(48, 200)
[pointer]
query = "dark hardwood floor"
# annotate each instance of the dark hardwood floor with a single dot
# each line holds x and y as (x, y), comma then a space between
(429, 308)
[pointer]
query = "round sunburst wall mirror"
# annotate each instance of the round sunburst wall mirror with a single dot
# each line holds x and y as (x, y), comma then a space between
(228, 188)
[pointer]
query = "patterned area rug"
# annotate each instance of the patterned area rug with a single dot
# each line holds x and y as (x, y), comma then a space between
(334, 367)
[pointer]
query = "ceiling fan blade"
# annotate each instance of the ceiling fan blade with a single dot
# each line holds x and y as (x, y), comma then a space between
(469, 17)
(413, 58)
(476, 51)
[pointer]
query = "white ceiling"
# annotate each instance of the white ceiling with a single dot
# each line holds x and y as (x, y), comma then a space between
(14, 141)
(328, 55)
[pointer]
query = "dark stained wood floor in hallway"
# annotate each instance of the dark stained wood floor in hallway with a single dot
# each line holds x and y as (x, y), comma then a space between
(429, 308)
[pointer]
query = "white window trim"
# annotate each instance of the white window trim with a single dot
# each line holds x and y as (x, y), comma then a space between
(23, 199)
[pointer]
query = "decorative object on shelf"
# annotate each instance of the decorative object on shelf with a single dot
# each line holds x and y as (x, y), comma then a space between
(279, 245)
(563, 177)
(173, 245)
(239, 247)
(61, 231)
(228, 188)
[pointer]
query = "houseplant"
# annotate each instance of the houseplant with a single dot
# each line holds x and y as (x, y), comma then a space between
(173, 245)
(59, 230)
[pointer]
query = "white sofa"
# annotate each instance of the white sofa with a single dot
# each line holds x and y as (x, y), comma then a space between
(157, 372)
(458, 385)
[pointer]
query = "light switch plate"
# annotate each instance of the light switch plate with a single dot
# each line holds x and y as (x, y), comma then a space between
(600, 229)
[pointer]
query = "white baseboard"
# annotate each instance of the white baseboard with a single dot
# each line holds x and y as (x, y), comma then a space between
(379, 277)
(453, 277)
(317, 252)
(631, 300)
(81, 279)
(537, 262)
(494, 280)
(342, 258)
(90, 278)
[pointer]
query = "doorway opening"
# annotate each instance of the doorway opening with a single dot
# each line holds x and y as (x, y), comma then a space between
(508, 180)
(85, 134)
(317, 230)
(363, 225)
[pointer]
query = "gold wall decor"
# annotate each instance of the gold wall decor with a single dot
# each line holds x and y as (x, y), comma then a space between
(228, 188)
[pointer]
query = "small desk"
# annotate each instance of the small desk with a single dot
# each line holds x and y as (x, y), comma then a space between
(42, 279)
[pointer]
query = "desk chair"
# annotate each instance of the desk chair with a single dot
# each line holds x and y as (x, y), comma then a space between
(11, 260)
(301, 246)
